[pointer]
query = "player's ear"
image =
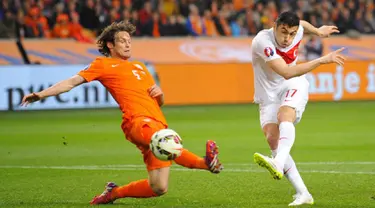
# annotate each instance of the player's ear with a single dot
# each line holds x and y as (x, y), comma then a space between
(110, 45)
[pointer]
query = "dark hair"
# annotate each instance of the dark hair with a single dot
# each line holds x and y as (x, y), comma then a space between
(288, 18)
(109, 33)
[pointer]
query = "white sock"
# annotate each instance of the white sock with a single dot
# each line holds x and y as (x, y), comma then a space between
(292, 174)
(274, 153)
(286, 141)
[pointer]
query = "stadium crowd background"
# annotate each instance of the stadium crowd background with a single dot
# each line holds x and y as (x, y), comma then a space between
(83, 19)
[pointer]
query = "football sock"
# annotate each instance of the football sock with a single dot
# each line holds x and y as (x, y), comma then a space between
(286, 141)
(191, 160)
(292, 174)
(136, 189)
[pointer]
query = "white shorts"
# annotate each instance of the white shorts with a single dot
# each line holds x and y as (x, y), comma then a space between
(294, 94)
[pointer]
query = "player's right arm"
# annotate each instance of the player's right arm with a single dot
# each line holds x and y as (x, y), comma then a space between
(58, 88)
(92, 72)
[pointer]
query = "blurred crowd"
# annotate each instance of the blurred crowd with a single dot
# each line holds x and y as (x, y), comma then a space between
(84, 19)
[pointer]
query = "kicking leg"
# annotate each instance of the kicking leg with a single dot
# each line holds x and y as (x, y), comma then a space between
(209, 162)
(271, 131)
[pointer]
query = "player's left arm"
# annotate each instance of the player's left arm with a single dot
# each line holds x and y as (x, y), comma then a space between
(156, 92)
(323, 31)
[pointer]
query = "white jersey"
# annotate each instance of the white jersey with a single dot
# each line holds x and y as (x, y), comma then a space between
(269, 84)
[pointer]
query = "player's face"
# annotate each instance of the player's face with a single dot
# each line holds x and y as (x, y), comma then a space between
(285, 35)
(122, 46)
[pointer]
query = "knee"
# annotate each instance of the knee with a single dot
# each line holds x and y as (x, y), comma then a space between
(286, 113)
(159, 189)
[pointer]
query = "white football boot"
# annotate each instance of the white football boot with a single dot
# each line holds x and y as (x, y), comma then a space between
(300, 199)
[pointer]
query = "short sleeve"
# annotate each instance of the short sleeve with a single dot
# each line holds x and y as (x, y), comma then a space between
(265, 49)
(93, 71)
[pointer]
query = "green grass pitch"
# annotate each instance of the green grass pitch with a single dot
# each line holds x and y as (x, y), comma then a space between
(64, 158)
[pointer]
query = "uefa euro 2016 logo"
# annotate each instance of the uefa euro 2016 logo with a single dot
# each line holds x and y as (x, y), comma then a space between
(268, 51)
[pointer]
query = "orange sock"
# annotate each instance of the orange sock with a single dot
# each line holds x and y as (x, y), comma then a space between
(191, 160)
(136, 189)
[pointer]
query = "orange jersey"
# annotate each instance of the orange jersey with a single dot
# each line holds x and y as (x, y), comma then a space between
(128, 82)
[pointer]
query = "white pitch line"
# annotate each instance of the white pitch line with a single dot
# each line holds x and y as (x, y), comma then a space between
(141, 166)
(318, 163)
(174, 169)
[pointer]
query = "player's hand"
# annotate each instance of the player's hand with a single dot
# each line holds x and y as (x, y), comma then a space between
(334, 57)
(325, 31)
(155, 91)
(33, 97)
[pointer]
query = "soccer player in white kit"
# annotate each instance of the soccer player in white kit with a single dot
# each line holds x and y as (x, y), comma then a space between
(281, 90)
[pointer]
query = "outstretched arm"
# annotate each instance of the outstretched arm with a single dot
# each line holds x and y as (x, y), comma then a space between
(288, 72)
(58, 88)
(323, 31)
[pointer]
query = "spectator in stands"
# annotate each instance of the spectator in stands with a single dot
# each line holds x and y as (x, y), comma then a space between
(175, 26)
(169, 7)
(145, 14)
(222, 24)
(154, 27)
(209, 24)
(59, 10)
(183, 8)
(135, 21)
(116, 6)
(345, 23)
(326, 19)
(369, 22)
(8, 25)
(88, 16)
(126, 15)
(237, 27)
(194, 23)
(21, 29)
(36, 24)
(251, 23)
(77, 32)
(62, 27)
(313, 48)
(72, 8)
(163, 16)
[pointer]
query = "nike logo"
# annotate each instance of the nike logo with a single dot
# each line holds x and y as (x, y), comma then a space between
(114, 65)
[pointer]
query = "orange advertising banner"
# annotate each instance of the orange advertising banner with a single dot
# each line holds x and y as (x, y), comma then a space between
(206, 83)
(170, 50)
(233, 83)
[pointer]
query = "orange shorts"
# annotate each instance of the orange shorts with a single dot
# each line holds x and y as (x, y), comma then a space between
(139, 132)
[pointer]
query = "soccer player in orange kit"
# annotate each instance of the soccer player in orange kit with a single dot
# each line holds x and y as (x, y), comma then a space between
(139, 99)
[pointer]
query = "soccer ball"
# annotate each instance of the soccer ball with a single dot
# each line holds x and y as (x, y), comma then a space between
(166, 144)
